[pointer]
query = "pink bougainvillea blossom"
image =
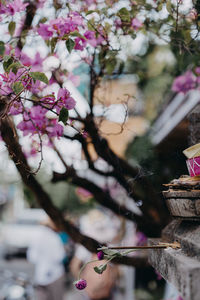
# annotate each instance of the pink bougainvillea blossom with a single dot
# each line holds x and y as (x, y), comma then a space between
(13, 7)
(16, 108)
(65, 100)
(184, 83)
(192, 15)
(45, 31)
(61, 26)
(136, 24)
(40, 3)
(74, 79)
(54, 129)
(92, 39)
(35, 120)
(83, 194)
(197, 70)
(80, 43)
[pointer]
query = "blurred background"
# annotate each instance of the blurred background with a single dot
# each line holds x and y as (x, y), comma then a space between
(142, 122)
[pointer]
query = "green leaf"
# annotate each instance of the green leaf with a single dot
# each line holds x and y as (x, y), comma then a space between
(63, 116)
(39, 76)
(70, 45)
(90, 12)
(53, 43)
(76, 33)
(14, 67)
(91, 24)
(100, 269)
(17, 87)
(169, 6)
(187, 35)
(6, 57)
(124, 14)
(159, 7)
(2, 48)
(110, 252)
(43, 20)
(7, 63)
(110, 65)
(11, 27)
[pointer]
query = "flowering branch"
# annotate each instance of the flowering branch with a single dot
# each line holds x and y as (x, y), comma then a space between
(110, 253)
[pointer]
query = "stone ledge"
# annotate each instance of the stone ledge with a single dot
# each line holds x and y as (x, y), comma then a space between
(177, 268)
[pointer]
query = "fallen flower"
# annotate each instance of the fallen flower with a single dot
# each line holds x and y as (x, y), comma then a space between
(80, 284)
(100, 255)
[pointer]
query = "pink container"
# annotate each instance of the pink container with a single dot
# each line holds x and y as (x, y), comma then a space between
(193, 165)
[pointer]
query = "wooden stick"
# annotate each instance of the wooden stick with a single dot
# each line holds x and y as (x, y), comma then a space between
(160, 245)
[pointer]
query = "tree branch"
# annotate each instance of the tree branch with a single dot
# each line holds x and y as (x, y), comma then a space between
(151, 207)
(44, 200)
(30, 13)
(103, 197)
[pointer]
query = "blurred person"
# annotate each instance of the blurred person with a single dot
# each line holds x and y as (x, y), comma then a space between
(47, 253)
(97, 224)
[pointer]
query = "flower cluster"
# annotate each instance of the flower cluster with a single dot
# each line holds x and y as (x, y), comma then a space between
(63, 27)
(12, 7)
(17, 80)
(188, 81)
(136, 24)
(35, 121)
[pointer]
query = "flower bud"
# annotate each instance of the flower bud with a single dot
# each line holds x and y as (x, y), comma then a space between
(100, 255)
(80, 284)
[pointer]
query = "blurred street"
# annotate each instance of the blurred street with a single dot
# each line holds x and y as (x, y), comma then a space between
(14, 269)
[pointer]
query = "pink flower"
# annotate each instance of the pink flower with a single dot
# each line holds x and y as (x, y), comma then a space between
(15, 6)
(74, 79)
(193, 15)
(40, 3)
(76, 18)
(100, 255)
(48, 100)
(197, 70)
(54, 129)
(63, 93)
(85, 134)
(91, 37)
(36, 63)
(184, 83)
(141, 238)
(45, 31)
(65, 100)
(136, 24)
(83, 193)
(159, 277)
(16, 108)
(118, 23)
(80, 43)
(2, 8)
(70, 103)
(80, 284)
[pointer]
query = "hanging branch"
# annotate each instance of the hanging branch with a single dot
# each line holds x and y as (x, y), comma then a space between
(44, 200)
(152, 206)
(104, 198)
